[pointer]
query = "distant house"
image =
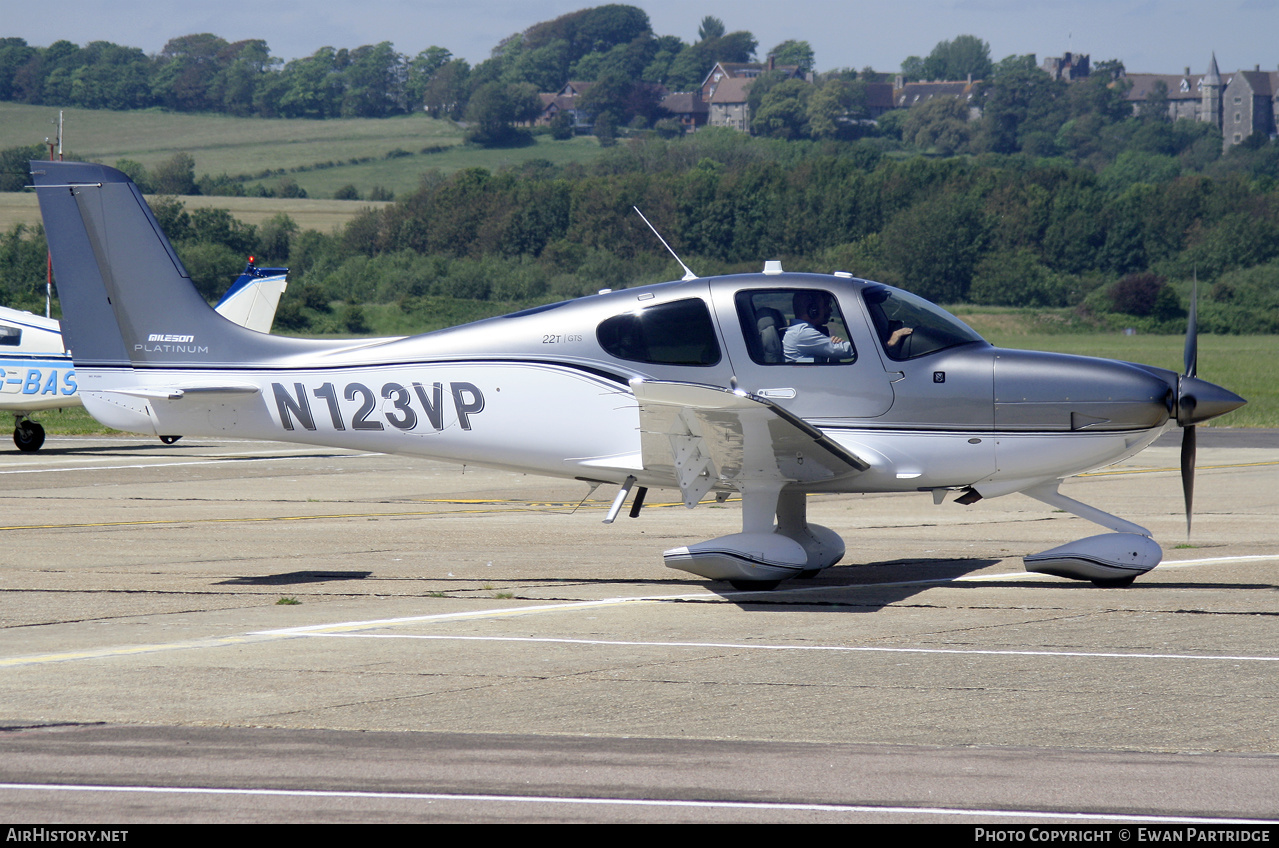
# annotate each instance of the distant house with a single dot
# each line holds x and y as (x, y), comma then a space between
(742, 70)
(688, 107)
(726, 87)
(879, 98)
(728, 107)
(565, 100)
(909, 94)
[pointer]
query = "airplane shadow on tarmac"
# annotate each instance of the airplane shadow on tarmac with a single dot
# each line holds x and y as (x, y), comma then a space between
(869, 587)
(860, 587)
(295, 578)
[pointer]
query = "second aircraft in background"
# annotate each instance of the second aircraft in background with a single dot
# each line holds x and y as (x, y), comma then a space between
(36, 372)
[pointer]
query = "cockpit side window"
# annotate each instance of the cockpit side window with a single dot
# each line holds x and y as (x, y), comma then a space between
(909, 326)
(676, 333)
(794, 327)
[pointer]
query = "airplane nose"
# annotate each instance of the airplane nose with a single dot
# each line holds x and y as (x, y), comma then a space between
(1199, 400)
(1053, 391)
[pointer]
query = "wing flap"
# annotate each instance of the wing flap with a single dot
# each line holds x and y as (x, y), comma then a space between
(704, 436)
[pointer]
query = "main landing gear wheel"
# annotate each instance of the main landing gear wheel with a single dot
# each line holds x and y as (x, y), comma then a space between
(28, 436)
(168, 440)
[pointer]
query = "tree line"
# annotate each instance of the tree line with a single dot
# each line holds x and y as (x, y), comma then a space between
(613, 44)
(1000, 229)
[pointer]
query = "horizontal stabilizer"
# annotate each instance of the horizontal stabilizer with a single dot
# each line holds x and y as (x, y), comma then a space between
(178, 392)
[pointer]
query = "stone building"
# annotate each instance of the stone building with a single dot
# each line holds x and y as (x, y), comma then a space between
(1249, 104)
(726, 87)
(1183, 93)
(1068, 67)
(1238, 104)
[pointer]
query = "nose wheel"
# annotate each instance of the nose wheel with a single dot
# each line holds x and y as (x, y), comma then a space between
(28, 436)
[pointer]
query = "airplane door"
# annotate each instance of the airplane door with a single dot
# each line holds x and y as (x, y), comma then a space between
(943, 374)
(821, 380)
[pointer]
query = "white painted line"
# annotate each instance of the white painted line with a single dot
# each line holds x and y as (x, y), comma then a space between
(630, 802)
(828, 648)
(1182, 563)
(462, 616)
(339, 628)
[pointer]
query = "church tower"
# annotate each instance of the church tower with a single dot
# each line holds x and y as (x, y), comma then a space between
(1210, 107)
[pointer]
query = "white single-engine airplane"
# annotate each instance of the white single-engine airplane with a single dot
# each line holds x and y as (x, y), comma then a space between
(36, 373)
(705, 385)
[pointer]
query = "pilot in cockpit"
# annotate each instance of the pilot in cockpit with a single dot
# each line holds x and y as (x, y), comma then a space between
(807, 339)
(892, 333)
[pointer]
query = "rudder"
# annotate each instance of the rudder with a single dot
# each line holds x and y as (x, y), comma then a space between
(127, 300)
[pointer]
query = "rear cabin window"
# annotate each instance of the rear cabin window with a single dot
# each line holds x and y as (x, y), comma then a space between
(10, 336)
(675, 333)
(781, 328)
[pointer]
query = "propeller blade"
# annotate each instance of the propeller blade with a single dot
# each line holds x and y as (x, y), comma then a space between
(1192, 332)
(1188, 471)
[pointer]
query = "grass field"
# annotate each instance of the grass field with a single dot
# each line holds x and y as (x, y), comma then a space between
(322, 215)
(223, 144)
(220, 143)
(403, 174)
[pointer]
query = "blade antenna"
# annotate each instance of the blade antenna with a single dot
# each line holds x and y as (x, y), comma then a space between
(688, 274)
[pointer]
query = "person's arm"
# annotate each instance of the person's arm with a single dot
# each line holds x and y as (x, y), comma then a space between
(810, 343)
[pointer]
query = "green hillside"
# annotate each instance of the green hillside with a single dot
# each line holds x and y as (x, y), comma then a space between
(388, 152)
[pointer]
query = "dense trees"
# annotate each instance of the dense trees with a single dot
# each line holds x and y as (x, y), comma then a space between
(1057, 195)
(611, 45)
(1022, 110)
(951, 60)
(205, 73)
(1010, 230)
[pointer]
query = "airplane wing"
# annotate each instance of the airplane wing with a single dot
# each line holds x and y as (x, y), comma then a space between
(704, 436)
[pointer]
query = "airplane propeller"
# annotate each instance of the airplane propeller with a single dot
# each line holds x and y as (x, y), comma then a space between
(1196, 400)
(1186, 403)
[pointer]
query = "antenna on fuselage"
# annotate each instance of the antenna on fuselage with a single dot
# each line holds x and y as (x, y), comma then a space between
(688, 274)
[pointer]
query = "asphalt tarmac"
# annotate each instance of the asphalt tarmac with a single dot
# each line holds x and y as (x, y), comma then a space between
(248, 631)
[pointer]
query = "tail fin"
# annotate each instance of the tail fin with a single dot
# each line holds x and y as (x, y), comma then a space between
(126, 297)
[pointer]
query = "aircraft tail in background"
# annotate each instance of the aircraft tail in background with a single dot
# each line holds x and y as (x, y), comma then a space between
(254, 296)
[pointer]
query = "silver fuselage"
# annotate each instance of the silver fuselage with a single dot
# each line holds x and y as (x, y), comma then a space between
(538, 392)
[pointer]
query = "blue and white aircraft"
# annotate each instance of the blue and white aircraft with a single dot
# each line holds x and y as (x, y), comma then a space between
(36, 373)
(708, 386)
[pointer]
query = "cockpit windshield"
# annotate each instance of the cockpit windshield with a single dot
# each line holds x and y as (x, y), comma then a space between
(909, 326)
